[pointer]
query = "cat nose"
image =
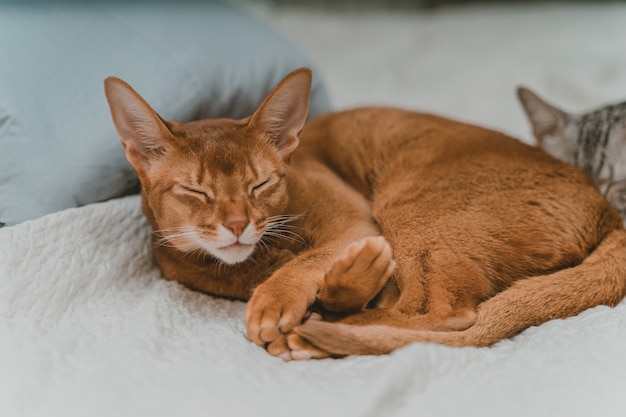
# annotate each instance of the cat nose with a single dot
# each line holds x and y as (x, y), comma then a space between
(236, 224)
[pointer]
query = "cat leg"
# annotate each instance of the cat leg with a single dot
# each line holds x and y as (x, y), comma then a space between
(282, 301)
(437, 289)
(352, 281)
(443, 318)
(357, 276)
(453, 285)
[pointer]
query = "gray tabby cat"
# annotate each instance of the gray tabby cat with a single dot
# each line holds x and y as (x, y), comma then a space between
(594, 141)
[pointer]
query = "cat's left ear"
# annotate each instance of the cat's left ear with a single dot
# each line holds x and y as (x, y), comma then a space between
(283, 112)
(544, 118)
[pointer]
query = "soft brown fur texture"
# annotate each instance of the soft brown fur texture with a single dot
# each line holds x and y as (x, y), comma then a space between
(490, 236)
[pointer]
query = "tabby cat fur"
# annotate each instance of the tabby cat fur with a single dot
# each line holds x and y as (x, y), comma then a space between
(594, 141)
(489, 235)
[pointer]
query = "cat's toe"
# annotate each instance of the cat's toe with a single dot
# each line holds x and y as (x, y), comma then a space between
(280, 348)
(303, 350)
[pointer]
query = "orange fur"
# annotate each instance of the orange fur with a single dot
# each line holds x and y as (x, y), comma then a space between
(490, 236)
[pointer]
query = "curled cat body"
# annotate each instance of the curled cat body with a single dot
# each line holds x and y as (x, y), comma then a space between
(594, 141)
(489, 236)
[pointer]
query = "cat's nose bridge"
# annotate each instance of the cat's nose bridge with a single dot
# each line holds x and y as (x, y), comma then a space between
(235, 217)
(234, 213)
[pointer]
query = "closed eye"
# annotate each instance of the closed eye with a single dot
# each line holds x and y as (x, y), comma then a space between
(259, 188)
(260, 185)
(198, 193)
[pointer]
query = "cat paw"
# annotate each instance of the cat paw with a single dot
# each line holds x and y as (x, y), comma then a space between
(293, 347)
(275, 308)
(302, 350)
(357, 275)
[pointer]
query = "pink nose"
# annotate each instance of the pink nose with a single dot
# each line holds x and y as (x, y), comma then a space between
(236, 224)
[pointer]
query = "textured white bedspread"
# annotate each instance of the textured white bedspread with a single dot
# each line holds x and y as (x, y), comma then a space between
(89, 328)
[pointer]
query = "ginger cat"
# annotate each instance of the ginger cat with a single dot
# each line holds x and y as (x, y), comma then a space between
(490, 235)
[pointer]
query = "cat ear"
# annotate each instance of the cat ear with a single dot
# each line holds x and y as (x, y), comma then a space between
(283, 112)
(544, 118)
(141, 129)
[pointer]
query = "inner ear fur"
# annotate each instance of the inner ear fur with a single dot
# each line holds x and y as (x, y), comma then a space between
(142, 131)
(283, 113)
(545, 118)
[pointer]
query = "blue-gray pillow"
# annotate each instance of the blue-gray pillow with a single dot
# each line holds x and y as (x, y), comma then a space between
(189, 60)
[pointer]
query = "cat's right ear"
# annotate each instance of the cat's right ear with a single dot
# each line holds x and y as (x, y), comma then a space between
(546, 120)
(141, 129)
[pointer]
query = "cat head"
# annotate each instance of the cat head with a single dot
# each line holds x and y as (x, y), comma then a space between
(554, 130)
(594, 141)
(213, 186)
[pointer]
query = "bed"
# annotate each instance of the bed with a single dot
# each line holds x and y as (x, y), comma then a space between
(89, 327)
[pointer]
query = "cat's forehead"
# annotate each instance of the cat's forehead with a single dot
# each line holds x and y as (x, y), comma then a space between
(611, 115)
(220, 152)
(226, 142)
(213, 132)
(597, 126)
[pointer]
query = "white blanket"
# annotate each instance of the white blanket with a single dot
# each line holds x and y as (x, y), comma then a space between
(89, 328)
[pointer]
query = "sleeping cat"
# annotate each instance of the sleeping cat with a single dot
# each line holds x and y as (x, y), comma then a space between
(489, 236)
(594, 141)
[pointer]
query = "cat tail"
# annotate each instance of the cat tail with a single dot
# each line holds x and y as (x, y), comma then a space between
(599, 280)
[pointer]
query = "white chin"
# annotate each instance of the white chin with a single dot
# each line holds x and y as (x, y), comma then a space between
(233, 254)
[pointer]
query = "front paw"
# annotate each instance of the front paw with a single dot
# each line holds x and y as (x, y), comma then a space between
(293, 347)
(274, 310)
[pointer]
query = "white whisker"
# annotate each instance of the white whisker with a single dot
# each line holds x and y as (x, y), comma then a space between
(276, 234)
(263, 244)
(278, 227)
